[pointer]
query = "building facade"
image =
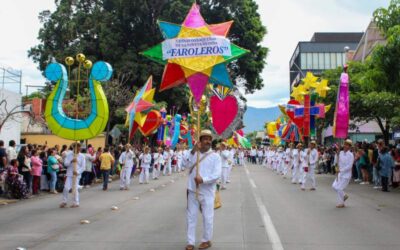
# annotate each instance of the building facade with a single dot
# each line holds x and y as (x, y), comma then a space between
(324, 51)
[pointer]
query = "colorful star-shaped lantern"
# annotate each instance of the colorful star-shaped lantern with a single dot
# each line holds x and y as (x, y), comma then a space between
(195, 53)
(322, 88)
(299, 92)
(310, 81)
(141, 103)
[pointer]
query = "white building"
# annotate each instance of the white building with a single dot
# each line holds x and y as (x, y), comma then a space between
(11, 129)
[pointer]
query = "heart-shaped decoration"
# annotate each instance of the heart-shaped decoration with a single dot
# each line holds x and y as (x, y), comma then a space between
(299, 121)
(223, 112)
(153, 121)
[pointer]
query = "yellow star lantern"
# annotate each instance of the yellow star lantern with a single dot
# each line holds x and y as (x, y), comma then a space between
(322, 88)
(310, 81)
(299, 92)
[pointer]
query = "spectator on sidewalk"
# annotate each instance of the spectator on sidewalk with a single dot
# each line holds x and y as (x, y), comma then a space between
(16, 187)
(36, 171)
(107, 160)
(53, 166)
(24, 166)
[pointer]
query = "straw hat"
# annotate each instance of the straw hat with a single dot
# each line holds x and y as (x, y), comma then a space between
(299, 145)
(206, 132)
(313, 142)
(348, 142)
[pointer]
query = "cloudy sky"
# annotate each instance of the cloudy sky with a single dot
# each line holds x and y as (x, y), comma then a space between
(287, 21)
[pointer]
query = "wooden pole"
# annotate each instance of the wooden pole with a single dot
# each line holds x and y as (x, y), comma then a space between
(198, 153)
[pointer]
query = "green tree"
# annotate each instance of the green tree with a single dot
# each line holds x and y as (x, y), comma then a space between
(116, 31)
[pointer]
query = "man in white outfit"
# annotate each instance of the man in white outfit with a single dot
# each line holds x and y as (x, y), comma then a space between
(168, 153)
(241, 157)
(126, 159)
(231, 162)
(312, 160)
(158, 162)
(205, 185)
(346, 160)
(296, 175)
(146, 161)
(69, 162)
(288, 160)
(225, 155)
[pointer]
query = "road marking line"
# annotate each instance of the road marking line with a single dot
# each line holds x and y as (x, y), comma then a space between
(270, 229)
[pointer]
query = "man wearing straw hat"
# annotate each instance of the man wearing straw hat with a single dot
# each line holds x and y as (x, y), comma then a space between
(309, 173)
(345, 163)
(225, 155)
(296, 173)
(204, 173)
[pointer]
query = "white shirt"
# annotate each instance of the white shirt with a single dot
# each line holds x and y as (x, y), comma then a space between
(260, 153)
(253, 152)
(168, 156)
(158, 159)
(210, 171)
(346, 160)
(80, 164)
(303, 159)
(146, 160)
(11, 153)
(225, 154)
(295, 156)
(313, 157)
(89, 161)
(126, 159)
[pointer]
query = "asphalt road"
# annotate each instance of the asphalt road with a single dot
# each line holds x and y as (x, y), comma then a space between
(260, 210)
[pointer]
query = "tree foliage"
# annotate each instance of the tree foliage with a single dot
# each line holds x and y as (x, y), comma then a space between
(116, 31)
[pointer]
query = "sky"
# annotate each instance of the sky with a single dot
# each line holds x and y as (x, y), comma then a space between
(287, 22)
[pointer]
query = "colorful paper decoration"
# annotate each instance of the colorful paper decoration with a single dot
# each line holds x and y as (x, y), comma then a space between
(223, 112)
(140, 104)
(291, 133)
(195, 53)
(177, 130)
(71, 128)
(342, 111)
(161, 128)
(152, 122)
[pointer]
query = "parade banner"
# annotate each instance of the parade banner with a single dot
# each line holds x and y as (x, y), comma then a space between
(196, 46)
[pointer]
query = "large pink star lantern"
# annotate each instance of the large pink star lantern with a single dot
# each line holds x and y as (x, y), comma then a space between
(195, 53)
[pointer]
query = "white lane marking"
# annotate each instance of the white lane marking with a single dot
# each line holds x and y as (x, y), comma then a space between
(270, 229)
(252, 183)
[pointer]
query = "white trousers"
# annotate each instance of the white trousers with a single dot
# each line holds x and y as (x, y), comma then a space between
(241, 160)
(178, 165)
(167, 168)
(207, 206)
(310, 175)
(285, 168)
(228, 178)
(125, 177)
(68, 186)
(144, 175)
(296, 175)
(224, 176)
(339, 185)
(156, 171)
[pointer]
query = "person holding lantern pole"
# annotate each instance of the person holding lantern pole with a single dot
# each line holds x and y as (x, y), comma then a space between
(204, 173)
(311, 157)
(71, 159)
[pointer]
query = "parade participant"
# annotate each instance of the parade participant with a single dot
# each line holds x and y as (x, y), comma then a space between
(280, 160)
(260, 155)
(225, 155)
(158, 162)
(311, 162)
(345, 164)
(126, 160)
(253, 155)
(288, 160)
(167, 161)
(69, 162)
(107, 161)
(265, 157)
(179, 158)
(205, 184)
(296, 174)
(186, 154)
(269, 156)
(231, 162)
(241, 157)
(146, 161)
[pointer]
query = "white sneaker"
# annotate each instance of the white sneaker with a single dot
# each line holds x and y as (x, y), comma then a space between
(357, 180)
(363, 183)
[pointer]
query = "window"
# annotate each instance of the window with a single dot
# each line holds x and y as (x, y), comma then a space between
(315, 60)
(339, 57)
(309, 61)
(333, 61)
(321, 61)
(327, 61)
(303, 61)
